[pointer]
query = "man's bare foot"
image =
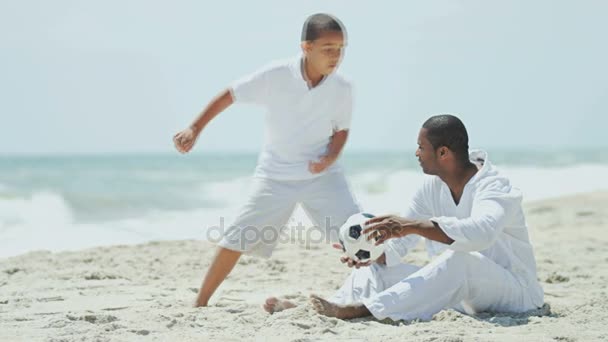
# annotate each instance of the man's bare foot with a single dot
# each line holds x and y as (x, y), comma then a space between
(326, 308)
(274, 304)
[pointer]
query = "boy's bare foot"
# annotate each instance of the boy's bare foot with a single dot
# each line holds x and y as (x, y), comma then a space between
(199, 304)
(326, 308)
(201, 301)
(274, 304)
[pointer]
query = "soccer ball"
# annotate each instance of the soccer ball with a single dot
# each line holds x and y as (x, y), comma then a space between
(354, 244)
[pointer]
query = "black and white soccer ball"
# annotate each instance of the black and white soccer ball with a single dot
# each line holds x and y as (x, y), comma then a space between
(354, 243)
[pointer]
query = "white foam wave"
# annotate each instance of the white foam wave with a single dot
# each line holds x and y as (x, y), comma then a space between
(45, 221)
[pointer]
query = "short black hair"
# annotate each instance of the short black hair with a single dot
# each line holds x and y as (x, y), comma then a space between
(317, 24)
(447, 130)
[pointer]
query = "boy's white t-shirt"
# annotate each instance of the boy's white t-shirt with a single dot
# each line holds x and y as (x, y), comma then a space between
(299, 121)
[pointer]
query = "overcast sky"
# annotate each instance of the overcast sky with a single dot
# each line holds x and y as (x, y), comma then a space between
(123, 76)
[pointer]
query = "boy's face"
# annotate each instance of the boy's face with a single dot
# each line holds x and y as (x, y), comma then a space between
(325, 53)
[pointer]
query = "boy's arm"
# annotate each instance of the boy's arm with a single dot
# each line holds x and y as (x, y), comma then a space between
(185, 140)
(338, 140)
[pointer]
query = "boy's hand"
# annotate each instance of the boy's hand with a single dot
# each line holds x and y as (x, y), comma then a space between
(184, 140)
(322, 164)
(353, 263)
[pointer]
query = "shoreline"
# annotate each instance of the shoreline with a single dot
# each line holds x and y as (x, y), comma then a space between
(526, 204)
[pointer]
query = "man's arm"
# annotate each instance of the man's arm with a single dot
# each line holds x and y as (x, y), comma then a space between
(474, 233)
(334, 148)
(429, 230)
(391, 226)
(479, 231)
(185, 140)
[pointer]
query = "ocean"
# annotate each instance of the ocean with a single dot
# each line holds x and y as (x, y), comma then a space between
(72, 202)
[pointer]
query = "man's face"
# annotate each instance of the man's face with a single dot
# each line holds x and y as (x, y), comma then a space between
(325, 52)
(426, 154)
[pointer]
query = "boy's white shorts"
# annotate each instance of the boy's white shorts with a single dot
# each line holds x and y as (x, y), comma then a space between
(261, 222)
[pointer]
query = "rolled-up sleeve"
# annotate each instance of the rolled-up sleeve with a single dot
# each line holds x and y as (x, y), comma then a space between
(489, 215)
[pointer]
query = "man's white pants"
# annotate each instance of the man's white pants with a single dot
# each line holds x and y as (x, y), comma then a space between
(467, 282)
(327, 200)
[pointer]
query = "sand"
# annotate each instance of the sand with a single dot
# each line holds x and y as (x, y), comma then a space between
(145, 292)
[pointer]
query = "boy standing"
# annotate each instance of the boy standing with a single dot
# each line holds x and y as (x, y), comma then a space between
(308, 116)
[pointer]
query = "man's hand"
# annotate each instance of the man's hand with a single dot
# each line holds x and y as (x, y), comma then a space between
(357, 264)
(387, 227)
(185, 140)
(322, 164)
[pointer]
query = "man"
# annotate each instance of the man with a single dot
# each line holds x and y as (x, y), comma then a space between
(307, 122)
(471, 217)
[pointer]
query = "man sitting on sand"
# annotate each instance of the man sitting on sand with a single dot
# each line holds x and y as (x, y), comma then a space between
(470, 216)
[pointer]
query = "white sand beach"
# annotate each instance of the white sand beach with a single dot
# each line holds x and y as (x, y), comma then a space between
(145, 292)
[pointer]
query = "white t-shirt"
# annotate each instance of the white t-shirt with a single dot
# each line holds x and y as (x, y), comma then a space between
(299, 121)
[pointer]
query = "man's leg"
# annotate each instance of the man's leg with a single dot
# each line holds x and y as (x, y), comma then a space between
(255, 231)
(361, 284)
(469, 281)
(329, 309)
(368, 281)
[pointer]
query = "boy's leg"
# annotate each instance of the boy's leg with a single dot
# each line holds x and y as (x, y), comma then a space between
(329, 202)
(222, 264)
(255, 231)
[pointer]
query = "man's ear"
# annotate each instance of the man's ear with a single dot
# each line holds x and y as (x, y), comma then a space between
(443, 151)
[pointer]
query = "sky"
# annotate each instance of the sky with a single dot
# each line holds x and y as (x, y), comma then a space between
(113, 77)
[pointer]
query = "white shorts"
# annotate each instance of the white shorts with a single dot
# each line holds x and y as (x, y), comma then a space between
(261, 222)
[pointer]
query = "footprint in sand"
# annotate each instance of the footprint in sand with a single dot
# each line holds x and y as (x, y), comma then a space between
(541, 210)
(51, 299)
(555, 278)
(99, 276)
(94, 319)
(142, 332)
(276, 265)
(13, 270)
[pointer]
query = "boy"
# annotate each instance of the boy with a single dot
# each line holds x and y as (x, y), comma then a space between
(307, 121)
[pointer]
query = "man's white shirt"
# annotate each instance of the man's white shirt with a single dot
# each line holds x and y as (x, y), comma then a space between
(488, 219)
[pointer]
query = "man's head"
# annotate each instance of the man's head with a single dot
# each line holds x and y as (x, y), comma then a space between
(323, 41)
(443, 143)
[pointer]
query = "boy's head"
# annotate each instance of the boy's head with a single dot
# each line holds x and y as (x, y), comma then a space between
(323, 41)
(443, 143)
